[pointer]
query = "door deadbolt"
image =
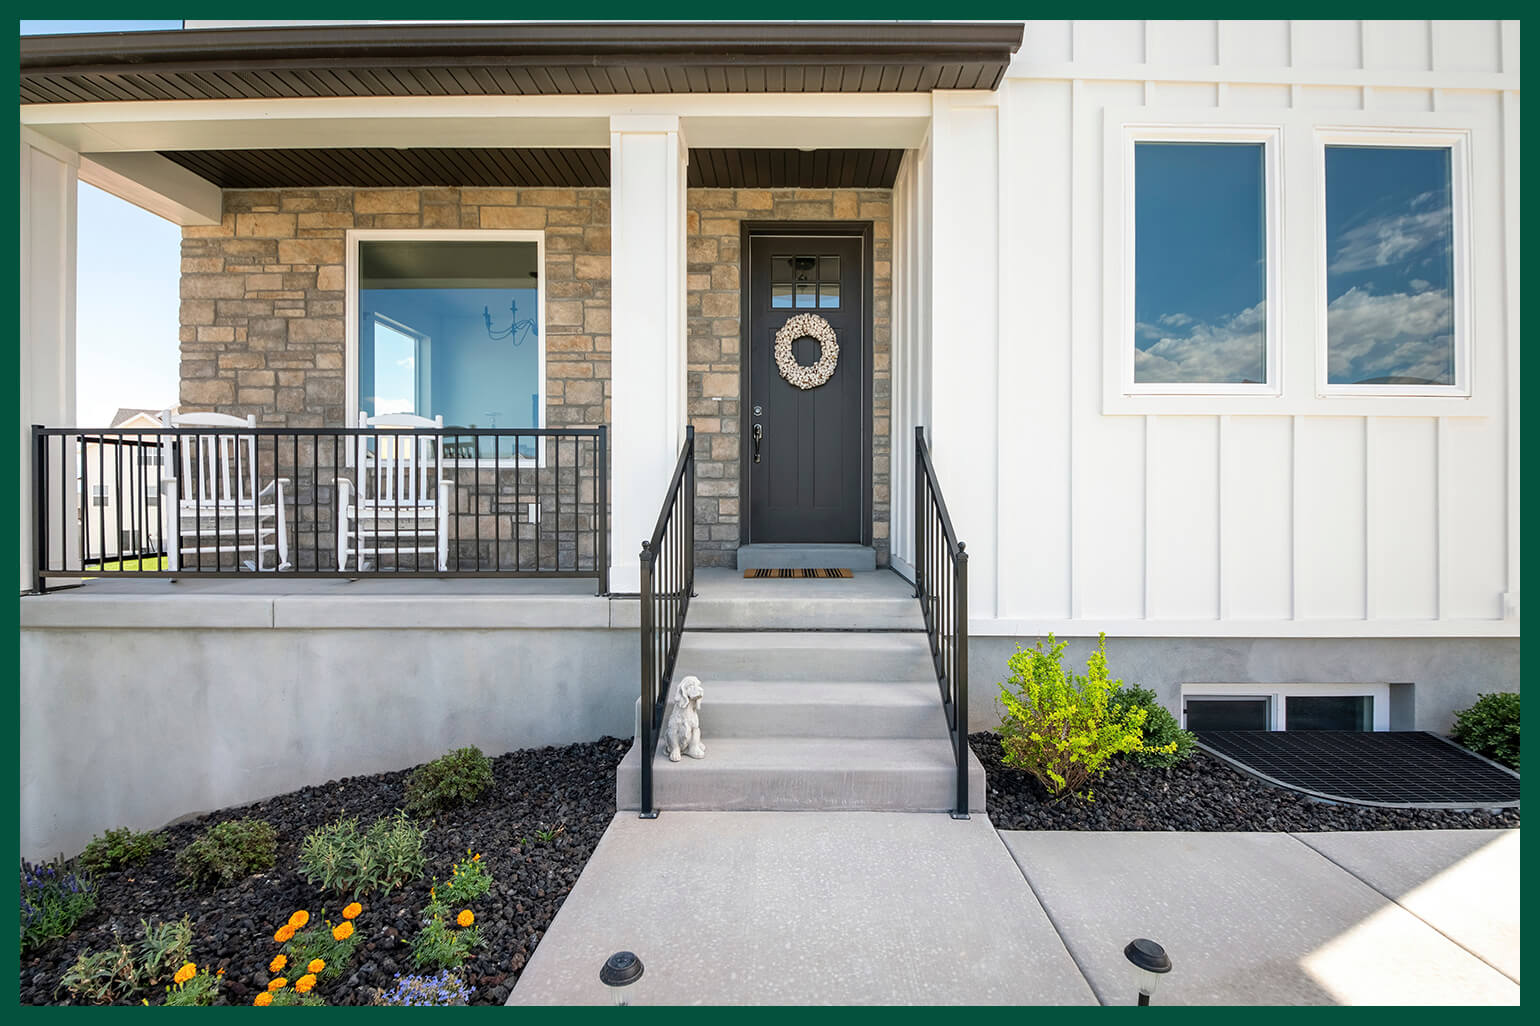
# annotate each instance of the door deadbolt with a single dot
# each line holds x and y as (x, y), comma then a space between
(759, 434)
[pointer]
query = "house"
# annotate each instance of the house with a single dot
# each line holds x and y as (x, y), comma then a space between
(121, 466)
(1211, 329)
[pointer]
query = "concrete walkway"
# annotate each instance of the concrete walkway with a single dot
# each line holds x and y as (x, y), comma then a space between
(1396, 917)
(804, 908)
(906, 908)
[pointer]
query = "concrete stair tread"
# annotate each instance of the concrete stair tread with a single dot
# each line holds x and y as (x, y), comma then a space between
(864, 753)
(806, 655)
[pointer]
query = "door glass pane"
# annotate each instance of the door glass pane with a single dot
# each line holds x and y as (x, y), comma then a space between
(1329, 712)
(782, 268)
(1227, 714)
(829, 268)
(828, 295)
(1200, 263)
(1390, 266)
(807, 295)
(780, 295)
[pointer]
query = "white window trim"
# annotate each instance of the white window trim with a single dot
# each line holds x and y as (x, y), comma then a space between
(1458, 143)
(1123, 323)
(355, 236)
(1277, 710)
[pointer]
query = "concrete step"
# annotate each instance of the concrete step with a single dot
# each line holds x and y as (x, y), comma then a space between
(799, 557)
(785, 774)
(844, 709)
(878, 600)
(805, 656)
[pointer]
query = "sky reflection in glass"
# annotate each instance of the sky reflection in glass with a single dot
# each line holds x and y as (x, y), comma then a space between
(1390, 266)
(1200, 263)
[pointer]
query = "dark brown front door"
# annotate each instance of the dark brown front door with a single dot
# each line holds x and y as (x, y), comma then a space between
(806, 471)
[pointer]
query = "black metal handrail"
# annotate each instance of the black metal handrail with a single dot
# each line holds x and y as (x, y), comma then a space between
(239, 501)
(941, 585)
(668, 581)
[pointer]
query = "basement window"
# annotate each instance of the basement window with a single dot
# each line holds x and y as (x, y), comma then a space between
(1285, 707)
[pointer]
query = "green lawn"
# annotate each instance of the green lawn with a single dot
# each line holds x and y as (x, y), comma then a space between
(153, 563)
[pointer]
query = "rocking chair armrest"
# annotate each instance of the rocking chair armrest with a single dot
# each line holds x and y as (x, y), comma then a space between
(278, 484)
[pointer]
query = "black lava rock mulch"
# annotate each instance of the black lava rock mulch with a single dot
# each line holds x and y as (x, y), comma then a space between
(1202, 794)
(571, 788)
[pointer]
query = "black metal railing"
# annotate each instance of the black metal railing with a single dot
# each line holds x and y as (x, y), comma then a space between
(668, 581)
(226, 501)
(941, 585)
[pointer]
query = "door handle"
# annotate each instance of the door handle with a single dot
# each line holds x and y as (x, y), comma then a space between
(758, 436)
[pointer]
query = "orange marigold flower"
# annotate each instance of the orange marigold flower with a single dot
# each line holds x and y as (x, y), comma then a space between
(352, 911)
(285, 934)
(299, 919)
(277, 964)
(342, 931)
(187, 972)
(316, 965)
(305, 984)
(262, 1000)
(278, 983)
(465, 918)
(477, 858)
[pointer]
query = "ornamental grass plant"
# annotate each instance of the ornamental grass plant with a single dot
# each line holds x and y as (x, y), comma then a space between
(340, 858)
(1062, 727)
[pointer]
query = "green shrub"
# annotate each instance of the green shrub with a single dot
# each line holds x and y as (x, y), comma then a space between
(1063, 727)
(1491, 727)
(341, 859)
(227, 852)
(200, 991)
(54, 897)
(1161, 730)
(288, 997)
(166, 947)
(102, 977)
(442, 944)
(448, 782)
(117, 848)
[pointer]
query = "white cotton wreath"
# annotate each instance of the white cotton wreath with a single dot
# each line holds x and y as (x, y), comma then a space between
(806, 326)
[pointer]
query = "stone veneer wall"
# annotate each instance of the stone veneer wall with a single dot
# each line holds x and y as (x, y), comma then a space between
(263, 303)
(715, 334)
(262, 332)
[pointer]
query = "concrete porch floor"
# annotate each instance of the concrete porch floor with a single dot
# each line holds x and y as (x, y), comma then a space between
(904, 908)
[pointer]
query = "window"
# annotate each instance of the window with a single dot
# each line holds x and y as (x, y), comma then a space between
(1286, 706)
(805, 282)
(98, 495)
(1392, 293)
(1203, 267)
(449, 324)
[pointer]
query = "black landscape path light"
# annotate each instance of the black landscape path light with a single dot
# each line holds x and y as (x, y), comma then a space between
(620, 971)
(1150, 963)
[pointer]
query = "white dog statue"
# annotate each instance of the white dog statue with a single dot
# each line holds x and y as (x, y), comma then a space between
(682, 733)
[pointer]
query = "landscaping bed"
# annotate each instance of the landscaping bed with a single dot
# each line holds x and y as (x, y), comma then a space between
(535, 828)
(1200, 794)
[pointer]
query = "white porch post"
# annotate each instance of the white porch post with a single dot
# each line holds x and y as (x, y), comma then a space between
(647, 296)
(964, 354)
(47, 339)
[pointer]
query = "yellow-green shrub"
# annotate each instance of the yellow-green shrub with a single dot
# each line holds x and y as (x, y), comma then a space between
(1062, 727)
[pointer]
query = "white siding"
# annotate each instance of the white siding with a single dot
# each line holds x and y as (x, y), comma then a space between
(1308, 517)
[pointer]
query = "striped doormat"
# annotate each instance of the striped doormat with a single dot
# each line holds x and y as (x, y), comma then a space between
(783, 573)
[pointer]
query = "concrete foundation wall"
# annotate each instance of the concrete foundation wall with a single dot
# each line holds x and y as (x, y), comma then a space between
(139, 727)
(1446, 674)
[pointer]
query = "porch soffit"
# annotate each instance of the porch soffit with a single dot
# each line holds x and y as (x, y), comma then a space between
(516, 60)
(578, 167)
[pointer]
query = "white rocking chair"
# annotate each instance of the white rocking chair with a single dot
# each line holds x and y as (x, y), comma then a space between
(401, 495)
(214, 505)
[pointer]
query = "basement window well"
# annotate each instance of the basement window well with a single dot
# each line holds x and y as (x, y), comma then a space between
(1359, 707)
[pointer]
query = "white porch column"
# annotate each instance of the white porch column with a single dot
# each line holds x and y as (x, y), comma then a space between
(965, 316)
(647, 328)
(47, 339)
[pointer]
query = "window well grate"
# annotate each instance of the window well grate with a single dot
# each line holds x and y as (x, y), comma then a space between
(1379, 768)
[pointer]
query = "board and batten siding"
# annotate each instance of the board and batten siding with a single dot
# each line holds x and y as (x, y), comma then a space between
(1292, 516)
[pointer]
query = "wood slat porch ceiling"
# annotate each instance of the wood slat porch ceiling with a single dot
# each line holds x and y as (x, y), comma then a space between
(510, 168)
(516, 60)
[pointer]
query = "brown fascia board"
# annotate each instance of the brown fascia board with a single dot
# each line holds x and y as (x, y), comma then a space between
(598, 43)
